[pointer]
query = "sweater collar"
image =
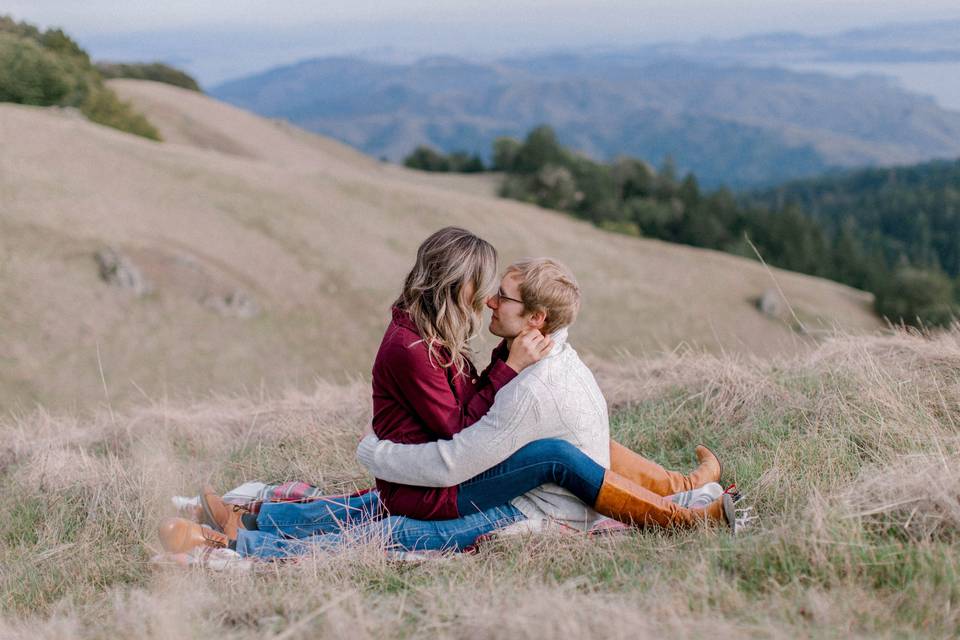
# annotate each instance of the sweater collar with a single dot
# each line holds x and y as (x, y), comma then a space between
(559, 338)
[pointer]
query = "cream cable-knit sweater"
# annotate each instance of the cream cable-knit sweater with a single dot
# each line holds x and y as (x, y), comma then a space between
(554, 398)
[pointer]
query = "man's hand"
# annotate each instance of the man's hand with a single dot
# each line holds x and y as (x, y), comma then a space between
(528, 347)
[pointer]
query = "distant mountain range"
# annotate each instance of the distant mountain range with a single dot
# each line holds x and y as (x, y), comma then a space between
(737, 125)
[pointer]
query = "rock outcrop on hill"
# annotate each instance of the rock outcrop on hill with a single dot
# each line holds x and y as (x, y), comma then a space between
(118, 270)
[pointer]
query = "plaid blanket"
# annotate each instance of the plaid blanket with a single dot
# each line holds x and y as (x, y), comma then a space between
(252, 495)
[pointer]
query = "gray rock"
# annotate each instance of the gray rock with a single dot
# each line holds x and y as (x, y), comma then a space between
(771, 304)
(118, 270)
(236, 304)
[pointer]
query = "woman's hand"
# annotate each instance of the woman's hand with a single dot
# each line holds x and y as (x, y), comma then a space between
(528, 347)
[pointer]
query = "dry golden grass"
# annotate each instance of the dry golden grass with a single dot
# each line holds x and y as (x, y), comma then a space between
(321, 236)
(849, 453)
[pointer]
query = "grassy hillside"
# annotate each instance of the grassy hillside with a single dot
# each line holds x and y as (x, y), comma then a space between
(728, 124)
(319, 237)
(847, 453)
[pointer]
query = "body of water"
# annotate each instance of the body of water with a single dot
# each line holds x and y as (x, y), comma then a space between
(938, 79)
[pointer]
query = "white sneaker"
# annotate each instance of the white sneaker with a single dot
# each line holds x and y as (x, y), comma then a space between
(698, 497)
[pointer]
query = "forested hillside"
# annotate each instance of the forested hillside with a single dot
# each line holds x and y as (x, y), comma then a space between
(909, 213)
(889, 231)
(898, 228)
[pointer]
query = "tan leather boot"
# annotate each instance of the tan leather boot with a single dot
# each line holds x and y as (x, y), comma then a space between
(664, 482)
(222, 517)
(179, 535)
(629, 502)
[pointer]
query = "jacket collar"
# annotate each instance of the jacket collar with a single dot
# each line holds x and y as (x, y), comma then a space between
(402, 318)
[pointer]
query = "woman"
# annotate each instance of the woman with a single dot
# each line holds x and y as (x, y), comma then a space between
(424, 388)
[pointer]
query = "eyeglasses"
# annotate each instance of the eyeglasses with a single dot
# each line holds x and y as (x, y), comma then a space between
(501, 296)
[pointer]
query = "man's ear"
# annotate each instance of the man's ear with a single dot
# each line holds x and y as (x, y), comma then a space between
(537, 319)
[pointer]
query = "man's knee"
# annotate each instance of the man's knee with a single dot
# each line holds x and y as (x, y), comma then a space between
(548, 449)
(553, 459)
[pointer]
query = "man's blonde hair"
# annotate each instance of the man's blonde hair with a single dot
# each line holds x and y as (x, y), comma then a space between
(549, 286)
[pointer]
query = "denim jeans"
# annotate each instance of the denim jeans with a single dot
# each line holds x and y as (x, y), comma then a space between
(323, 515)
(540, 462)
(396, 532)
(288, 528)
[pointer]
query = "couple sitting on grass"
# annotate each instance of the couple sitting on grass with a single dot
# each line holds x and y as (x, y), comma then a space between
(457, 454)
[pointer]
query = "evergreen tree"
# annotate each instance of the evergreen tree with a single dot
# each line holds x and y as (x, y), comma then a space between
(917, 297)
(505, 153)
(427, 159)
(538, 150)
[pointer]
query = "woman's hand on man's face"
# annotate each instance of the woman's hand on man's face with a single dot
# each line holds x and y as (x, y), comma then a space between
(529, 347)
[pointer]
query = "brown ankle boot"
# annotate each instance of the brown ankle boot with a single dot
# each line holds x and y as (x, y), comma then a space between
(222, 517)
(663, 482)
(179, 535)
(630, 502)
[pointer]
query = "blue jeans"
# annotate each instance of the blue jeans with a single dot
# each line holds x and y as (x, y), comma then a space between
(540, 462)
(324, 515)
(397, 533)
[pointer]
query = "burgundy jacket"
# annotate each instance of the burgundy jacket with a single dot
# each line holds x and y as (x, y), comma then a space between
(416, 400)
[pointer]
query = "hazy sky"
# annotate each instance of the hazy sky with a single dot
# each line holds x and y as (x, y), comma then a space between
(661, 18)
(216, 39)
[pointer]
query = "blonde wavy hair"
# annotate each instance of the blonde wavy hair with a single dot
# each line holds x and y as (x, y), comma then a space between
(433, 293)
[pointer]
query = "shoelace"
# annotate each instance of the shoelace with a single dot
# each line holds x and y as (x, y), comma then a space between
(211, 536)
(733, 492)
(743, 516)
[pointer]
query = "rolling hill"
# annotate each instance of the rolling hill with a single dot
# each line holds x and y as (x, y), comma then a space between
(313, 238)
